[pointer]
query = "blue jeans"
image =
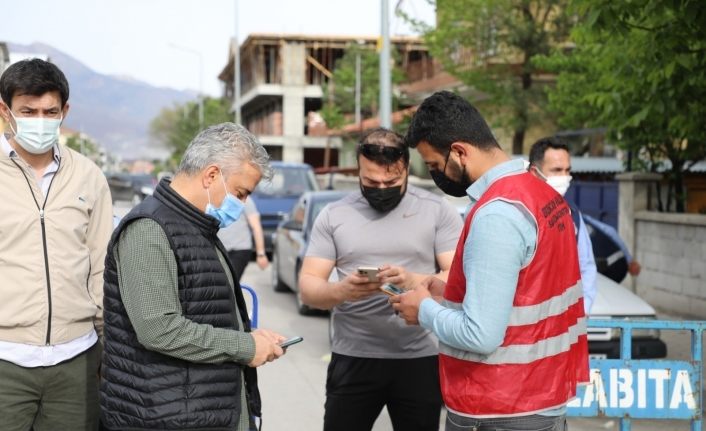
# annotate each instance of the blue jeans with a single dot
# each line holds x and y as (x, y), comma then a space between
(455, 422)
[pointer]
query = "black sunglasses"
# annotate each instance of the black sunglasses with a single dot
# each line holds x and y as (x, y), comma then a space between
(372, 151)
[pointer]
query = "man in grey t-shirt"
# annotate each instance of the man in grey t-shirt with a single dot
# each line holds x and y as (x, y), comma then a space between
(409, 234)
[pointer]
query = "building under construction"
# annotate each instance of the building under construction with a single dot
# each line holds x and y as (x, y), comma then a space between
(281, 78)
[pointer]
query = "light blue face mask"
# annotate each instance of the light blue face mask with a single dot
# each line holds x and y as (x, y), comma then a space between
(230, 209)
(36, 135)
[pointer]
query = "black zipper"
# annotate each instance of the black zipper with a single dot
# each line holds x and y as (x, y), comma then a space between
(44, 241)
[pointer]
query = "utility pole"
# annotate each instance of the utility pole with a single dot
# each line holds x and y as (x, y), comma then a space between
(236, 70)
(385, 84)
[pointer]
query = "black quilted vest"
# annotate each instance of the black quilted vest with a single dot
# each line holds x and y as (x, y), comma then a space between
(146, 390)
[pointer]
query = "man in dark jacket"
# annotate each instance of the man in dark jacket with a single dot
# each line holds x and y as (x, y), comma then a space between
(179, 350)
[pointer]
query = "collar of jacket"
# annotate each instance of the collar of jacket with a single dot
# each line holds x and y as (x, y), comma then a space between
(165, 193)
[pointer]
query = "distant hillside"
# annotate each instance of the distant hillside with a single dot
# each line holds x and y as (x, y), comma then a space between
(115, 111)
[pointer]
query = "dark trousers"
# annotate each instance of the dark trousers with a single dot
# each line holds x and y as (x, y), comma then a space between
(456, 422)
(239, 259)
(358, 388)
(60, 397)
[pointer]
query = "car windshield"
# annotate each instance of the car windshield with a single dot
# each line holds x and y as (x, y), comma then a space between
(287, 182)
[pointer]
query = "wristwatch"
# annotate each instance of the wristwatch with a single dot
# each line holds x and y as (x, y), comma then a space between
(261, 254)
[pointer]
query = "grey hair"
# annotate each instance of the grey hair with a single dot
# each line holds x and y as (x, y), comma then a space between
(227, 145)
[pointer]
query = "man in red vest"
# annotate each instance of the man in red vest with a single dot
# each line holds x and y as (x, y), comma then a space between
(510, 323)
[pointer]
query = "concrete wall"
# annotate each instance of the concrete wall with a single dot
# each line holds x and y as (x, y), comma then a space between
(670, 247)
(672, 251)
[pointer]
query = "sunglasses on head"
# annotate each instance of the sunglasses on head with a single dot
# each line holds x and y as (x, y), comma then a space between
(372, 150)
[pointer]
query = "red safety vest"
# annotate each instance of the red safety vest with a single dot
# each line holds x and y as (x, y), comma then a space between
(544, 354)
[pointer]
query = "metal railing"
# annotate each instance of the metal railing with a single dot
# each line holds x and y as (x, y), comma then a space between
(253, 309)
(629, 388)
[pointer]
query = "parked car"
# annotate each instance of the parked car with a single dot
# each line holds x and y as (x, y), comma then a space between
(131, 187)
(614, 301)
(275, 199)
(291, 239)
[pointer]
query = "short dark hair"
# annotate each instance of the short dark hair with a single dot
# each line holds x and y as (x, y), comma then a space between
(383, 146)
(536, 154)
(33, 77)
(444, 118)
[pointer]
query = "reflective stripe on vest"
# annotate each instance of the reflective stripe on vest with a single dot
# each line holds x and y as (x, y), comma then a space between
(530, 314)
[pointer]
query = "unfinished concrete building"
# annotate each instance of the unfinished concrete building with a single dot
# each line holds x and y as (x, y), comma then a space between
(281, 78)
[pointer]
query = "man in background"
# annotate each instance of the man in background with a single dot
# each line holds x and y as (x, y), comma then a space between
(550, 161)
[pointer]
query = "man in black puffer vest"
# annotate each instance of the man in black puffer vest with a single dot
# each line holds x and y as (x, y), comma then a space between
(179, 352)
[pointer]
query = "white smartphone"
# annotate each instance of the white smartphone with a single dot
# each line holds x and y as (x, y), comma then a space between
(369, 271)
(391, 289)
(289, 341)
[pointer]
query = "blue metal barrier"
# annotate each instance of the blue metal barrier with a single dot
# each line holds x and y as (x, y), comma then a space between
(628, 388)
(253, 317)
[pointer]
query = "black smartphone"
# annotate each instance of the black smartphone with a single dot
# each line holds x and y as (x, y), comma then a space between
(289, 341)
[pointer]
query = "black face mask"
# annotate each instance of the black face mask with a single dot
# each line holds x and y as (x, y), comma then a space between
(449, 186)
(385, 199)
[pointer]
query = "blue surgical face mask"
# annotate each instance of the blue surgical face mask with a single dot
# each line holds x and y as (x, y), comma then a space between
(230, 209)
(35, 134)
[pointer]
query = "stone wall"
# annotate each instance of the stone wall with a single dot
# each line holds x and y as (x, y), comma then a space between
(672, 251)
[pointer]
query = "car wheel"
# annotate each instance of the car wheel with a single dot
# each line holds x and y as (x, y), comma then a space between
(277, 284)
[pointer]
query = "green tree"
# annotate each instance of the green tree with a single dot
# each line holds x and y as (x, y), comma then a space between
(639, 69)
(490, 46)
(175, 127)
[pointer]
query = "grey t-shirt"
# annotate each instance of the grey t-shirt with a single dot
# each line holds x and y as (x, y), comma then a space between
(237, 236)
(353, 234)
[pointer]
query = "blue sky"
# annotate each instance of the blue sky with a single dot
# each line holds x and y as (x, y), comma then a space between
(135, 37)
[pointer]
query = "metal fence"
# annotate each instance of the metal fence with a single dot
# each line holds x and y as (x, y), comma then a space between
(629, 388)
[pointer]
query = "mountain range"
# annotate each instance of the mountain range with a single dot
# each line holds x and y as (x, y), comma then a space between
(115, 111)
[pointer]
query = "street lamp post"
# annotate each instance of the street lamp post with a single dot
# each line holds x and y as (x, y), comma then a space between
(385, 91)
(200, 96)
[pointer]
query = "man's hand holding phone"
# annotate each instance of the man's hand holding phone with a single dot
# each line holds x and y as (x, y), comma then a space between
(396, 275)
(407, 304)
(267, 347)
(358, 285)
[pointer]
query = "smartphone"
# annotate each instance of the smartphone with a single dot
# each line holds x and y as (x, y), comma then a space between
(391, 289)
(288, 342)
(369, 271)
